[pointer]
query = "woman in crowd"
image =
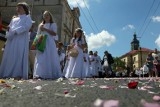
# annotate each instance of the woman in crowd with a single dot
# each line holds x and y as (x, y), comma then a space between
(47, 64)
(15, 58)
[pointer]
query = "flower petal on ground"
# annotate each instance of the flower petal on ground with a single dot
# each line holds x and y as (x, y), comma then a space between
(107, 87)
(122, 86)
(132, 85)
(65, 95)
(80, 82)
(146, 104)
(111, 103)
(2, 91)
(98, 103)
(156, 98)
(38, 87)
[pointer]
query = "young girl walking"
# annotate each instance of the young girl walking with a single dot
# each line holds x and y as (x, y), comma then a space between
(75, 66)
(47, 64)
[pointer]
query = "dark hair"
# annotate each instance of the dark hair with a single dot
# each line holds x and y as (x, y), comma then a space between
(90, 52)
(76, 31)
(25, 7)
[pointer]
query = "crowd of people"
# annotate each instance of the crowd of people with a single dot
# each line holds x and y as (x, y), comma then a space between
(50, 59)
(21, 60)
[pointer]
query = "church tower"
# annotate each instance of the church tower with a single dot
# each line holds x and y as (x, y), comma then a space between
(135, 43)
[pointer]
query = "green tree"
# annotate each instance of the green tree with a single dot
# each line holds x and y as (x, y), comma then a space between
(118, 63)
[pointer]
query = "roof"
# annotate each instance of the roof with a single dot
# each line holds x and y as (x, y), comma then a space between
(135, 51)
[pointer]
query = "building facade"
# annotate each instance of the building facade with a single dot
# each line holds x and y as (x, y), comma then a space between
(67, 19)
(137, 56)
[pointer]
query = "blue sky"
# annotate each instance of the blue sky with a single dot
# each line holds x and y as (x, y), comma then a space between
(116, 21)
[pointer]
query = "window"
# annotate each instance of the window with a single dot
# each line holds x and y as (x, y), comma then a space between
(134, 66)
(13, 0)
(134, 59)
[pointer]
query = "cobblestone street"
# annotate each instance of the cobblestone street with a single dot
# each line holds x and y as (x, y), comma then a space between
(77, 93)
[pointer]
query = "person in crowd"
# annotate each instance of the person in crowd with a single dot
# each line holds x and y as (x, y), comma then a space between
(149, 61)
(32, 53)
(15, 58)
(107, 62)
(155, 53)
(67, 58)
(128, 71)
(47, 64)
(138, 72)
(75, 66)
(98, 65)
(156, 64)
(92, 64)
(86, 71)
(14, 16)
(145, 70)
(61, 54)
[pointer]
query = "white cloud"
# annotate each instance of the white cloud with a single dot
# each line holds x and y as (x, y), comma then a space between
(81, 3)
(99, 40)
(157, 42)
(76, 3)
(128, 27)
(156, 18)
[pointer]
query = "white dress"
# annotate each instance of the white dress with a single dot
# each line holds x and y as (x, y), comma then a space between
(15, 58)
(66, 64)
(86, 70)
(98, 67)
(75, 66)
(47, 64)
(92, 65)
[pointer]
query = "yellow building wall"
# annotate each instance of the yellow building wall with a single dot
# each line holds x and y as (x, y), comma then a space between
(134, 60)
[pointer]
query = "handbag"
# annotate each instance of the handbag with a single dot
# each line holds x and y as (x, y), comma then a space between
(73, 52)
(39, 42)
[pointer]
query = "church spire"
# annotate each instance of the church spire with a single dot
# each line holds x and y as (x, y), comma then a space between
(135, 42)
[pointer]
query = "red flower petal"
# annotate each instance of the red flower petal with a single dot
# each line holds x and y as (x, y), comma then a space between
(132, 85)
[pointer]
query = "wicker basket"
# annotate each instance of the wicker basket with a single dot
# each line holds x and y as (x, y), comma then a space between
(73, 52)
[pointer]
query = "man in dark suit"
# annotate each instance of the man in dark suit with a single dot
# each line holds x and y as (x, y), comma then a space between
(107, 62)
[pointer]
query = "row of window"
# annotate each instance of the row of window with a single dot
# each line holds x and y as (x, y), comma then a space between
(16, 0)
(134, 59)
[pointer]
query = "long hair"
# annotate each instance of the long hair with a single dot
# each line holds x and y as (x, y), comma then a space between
(47, 13)
(76, 31)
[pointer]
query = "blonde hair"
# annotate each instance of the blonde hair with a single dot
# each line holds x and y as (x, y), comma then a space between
(51, 17)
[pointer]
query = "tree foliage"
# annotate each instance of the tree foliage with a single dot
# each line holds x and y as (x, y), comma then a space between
(118, 63)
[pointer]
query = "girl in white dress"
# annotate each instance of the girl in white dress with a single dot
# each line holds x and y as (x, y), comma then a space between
(47, 64)
(67, 58)
(15, 58)
(98, 67)
(75, 66)
(86, 71)
(92, 64)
